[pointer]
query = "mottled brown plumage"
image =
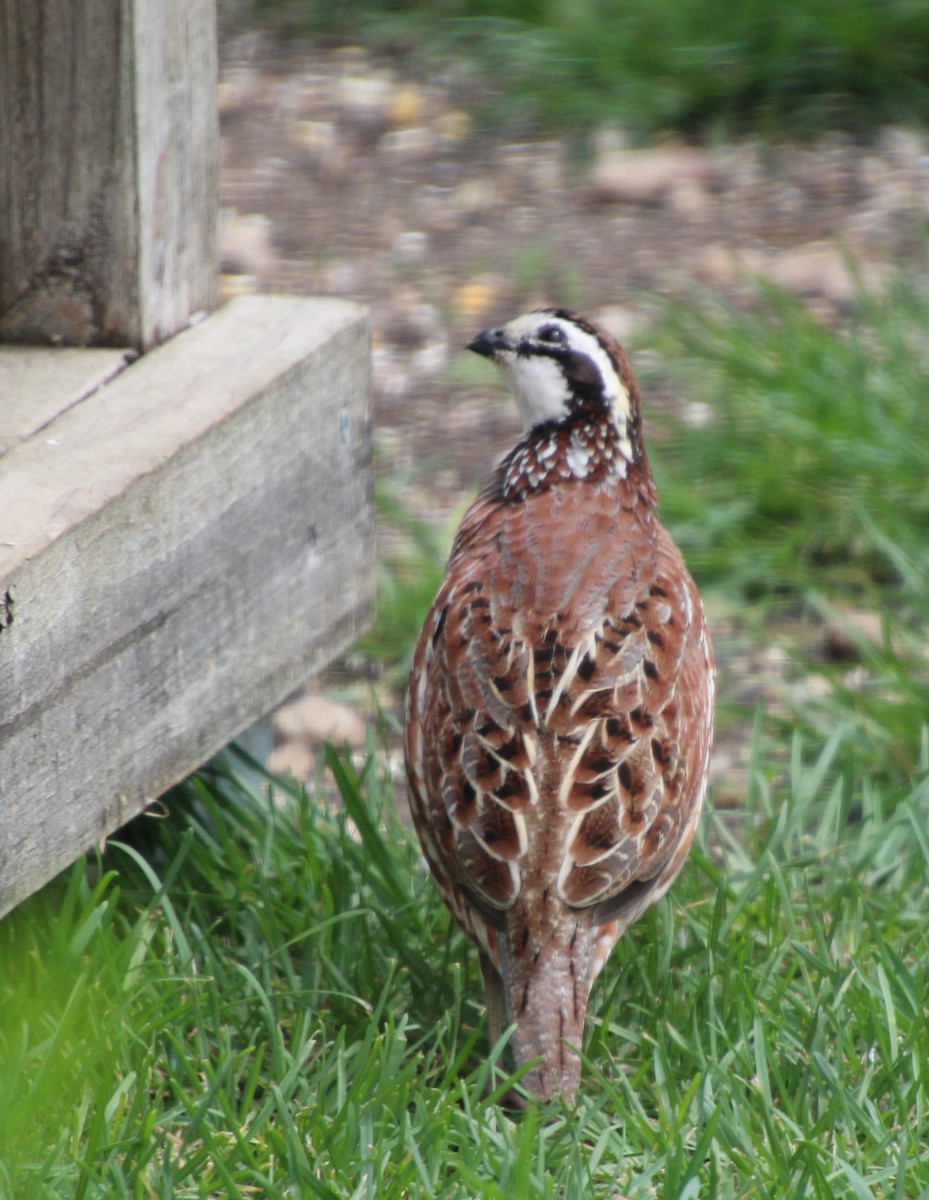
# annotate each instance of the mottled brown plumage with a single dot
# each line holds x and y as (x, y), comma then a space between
(560, 702)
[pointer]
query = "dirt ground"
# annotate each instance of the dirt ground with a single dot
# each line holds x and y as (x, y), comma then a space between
(342, 176)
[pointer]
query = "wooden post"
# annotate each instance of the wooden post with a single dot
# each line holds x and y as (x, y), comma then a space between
(178, 552)
(108, 169)
(184, 538)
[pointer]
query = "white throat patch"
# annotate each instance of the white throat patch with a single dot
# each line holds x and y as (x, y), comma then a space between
(538, 386)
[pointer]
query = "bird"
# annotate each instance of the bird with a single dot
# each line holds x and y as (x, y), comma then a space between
(559, 712)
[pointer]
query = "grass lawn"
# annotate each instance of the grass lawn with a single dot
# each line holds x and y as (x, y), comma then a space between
(260, 994)
(653, 65)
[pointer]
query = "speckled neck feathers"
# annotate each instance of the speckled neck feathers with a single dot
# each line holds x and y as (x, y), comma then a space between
(591, 449)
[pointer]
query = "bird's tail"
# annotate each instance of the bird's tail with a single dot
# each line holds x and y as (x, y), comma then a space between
(546, 981)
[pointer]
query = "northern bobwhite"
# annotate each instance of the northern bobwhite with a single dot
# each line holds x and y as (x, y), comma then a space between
(560, 705)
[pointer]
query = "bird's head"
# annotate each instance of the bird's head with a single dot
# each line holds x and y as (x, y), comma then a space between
(559, 367)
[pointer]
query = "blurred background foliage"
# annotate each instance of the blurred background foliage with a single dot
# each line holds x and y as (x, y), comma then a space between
(696, 66)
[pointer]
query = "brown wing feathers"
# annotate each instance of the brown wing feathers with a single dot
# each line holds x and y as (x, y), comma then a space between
(557, 739)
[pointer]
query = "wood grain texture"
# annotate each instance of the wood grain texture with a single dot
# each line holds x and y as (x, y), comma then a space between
(109, 151)
(178, 552)
(38, 384)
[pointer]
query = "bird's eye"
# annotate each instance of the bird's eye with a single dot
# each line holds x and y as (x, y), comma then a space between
(553, 334)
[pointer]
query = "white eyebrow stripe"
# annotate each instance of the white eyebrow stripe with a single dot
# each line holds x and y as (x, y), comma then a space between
(616, 391)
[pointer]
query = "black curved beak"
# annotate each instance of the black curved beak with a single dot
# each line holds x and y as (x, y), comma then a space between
(490, 343)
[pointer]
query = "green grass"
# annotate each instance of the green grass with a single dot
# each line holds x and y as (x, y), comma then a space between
(808, 466)
(269, 1001)
(409, 574)
(260, 994)
(652, 65)
(801, 489)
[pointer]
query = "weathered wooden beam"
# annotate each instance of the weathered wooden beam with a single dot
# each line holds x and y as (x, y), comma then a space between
(178, 552)
(109, 151)
(36, 385)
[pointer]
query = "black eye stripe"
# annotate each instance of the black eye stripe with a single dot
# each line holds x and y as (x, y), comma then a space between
(552, 333)
(565, 314)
